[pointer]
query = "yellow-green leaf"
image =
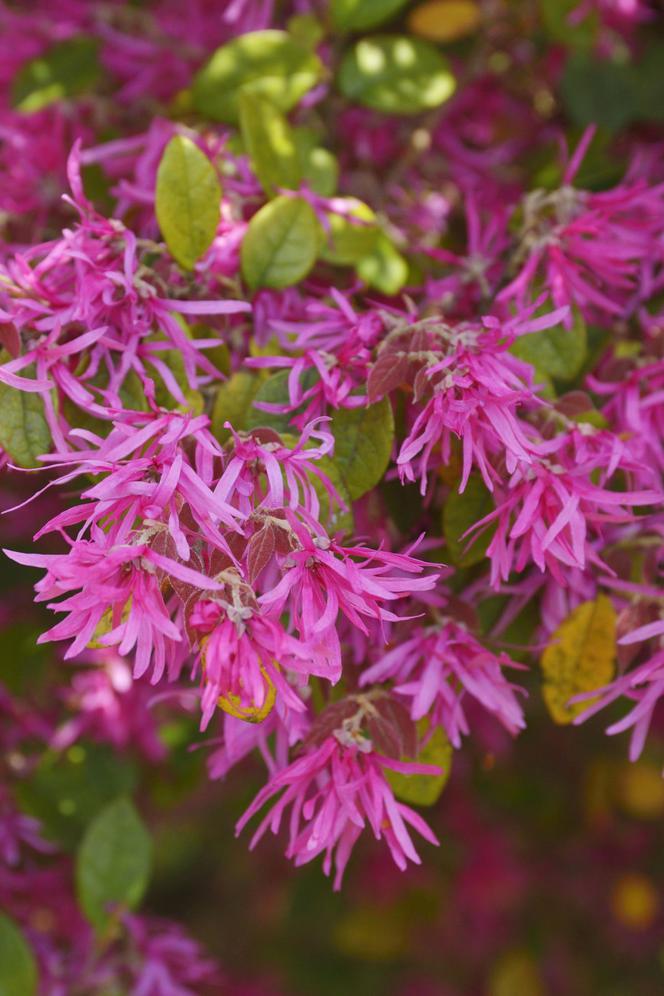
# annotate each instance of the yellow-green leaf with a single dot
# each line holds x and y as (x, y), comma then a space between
(18, 969)
(358, 15)
(579, 657)
(396, 74)
(233, 403)
(24, 431)
(281, 243)
(269, 63)
(383, 267)
(318, 166)
(424, 790)
(270, 142)
(187, 200)
(351, 235)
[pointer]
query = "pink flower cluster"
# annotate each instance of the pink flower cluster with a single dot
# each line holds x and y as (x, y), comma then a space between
(221, 552)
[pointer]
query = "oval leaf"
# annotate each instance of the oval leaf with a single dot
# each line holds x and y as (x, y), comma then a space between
(424, 790)
(18, 969)
(187, 200)
(270, 142)
(383, 267)
(556, 352)
(233, 403)
(269, 63)
(113, 862)
(579, 657)
(351, 235)
(358, 15)
(281, 243)
(363, 443)
(24, 431)
(460, 512)
(396, 74)
(318, 166)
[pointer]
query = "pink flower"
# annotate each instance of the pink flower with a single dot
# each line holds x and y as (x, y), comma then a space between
(244, 656)
(115, 597)
(644, 685)
(109, 706)
(163, 960)
(323, 578)
(263, 472)
(474, 389)
(438, 667)
(593, 250)
(333, 354)
(334, 791)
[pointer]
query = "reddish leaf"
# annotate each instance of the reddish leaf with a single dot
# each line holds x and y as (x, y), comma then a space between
(392, 731)
(260, 550)
(329, 720)
(387, 373)
(10, 339)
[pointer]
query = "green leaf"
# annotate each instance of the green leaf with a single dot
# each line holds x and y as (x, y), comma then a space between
(318, 166)
(359, 15)
(396, 74)
(383, 267)
(349, 241)
(557, 21)
(24, 431)
(270, 142)
(598, 91)
(460, 512)
(334, 519)
(113, 862)
(579, 658)
(270, 64)
(615, 93)
(363, 443)
(67, 790)
(557, 352)
(233, 403)
(187, 200)
(424, 790)
(306, 29)
(18, 968)
(281, 243)
(274, 390)
(67, 69)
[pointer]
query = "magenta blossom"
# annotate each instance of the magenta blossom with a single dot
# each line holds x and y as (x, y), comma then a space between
(335, 791)
(440, 666)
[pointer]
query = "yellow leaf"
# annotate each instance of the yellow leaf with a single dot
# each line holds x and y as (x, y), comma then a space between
(579, 657)
(445, 20)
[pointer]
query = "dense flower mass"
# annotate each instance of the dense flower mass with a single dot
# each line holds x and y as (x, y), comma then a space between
(331, 400)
